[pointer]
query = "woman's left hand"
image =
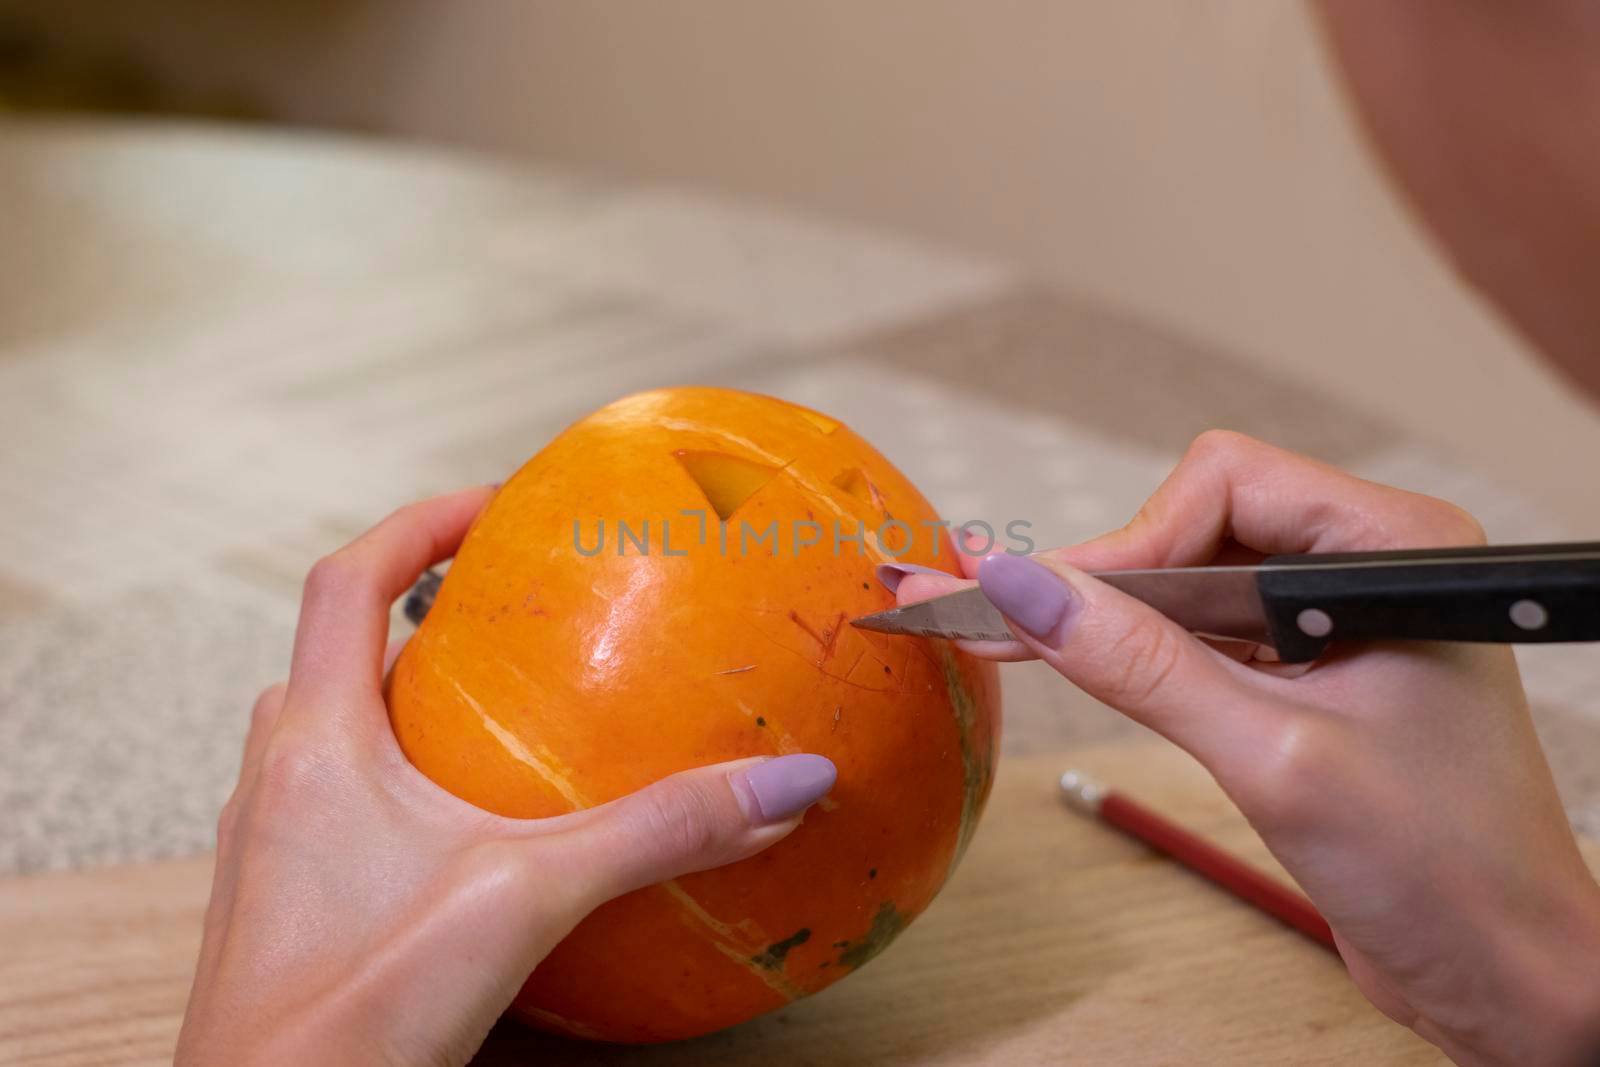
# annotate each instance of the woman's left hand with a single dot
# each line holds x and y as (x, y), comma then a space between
(361, 914)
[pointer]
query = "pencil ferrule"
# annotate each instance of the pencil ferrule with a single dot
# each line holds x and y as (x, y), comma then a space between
(1082, 792)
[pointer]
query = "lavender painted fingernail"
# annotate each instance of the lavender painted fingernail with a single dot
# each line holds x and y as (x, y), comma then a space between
(1029, 594)
(420, 600)
(891, 574)
(782, 788)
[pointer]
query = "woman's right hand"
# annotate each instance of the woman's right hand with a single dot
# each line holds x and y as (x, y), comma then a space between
(1401, 784)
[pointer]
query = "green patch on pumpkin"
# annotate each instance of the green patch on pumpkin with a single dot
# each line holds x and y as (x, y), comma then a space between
(772, 957)
(977, 767)
(887, 925)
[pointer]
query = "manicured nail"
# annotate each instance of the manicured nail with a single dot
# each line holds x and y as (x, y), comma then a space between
(782, 788)
(890, 574)
(1029, 594)
(420, 600)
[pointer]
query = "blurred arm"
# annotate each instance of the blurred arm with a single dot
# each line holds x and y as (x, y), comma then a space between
(1486, 112)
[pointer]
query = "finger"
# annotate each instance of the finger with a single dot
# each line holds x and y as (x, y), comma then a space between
(1125, 653)
(1233, 489)
(969, 551)
(344, 615)
(890, 575)
(515, 895)
(263, 720)
(692, 821)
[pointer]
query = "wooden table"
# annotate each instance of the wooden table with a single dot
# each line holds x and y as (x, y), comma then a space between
(1057, 941)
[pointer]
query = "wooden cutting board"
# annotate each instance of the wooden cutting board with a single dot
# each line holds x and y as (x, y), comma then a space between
(1057, 941)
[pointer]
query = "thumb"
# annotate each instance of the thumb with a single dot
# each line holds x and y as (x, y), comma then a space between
(1120, 651)
(693, 821)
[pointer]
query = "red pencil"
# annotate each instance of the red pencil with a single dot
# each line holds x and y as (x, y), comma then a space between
(1199, 855)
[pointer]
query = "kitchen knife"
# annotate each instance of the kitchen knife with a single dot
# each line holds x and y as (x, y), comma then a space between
(1298, 604)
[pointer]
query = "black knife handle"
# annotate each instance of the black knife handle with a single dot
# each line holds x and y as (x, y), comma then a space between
(1457, 594)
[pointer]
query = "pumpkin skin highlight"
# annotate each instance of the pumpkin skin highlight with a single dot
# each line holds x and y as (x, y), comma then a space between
(546, 679)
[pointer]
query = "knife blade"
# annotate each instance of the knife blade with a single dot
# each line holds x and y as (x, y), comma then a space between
(1298, 604)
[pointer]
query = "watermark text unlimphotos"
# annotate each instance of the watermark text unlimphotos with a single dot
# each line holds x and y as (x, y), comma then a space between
(893, 537)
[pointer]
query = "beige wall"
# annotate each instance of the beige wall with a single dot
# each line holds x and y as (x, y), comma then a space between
(1188, 159)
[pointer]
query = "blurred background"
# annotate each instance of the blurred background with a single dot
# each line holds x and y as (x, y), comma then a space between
(270, 269)
(1189, 162)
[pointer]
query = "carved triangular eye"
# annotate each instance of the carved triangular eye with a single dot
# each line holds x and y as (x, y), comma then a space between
(817, 419)
(855, 482)
(727, 481)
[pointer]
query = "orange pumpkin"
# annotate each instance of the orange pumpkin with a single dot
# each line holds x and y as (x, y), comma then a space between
(549, 676)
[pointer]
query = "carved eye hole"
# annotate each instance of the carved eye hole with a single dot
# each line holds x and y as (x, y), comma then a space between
(855, 482)
(727, 481)
(817, 419)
